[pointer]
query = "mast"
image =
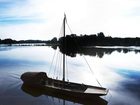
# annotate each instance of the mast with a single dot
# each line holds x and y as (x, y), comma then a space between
(64, 20)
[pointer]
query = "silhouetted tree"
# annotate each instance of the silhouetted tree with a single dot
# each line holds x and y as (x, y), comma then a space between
(101, 35)
(54, 40)
(8, 41)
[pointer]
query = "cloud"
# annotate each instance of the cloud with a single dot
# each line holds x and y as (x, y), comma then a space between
(113, 17)
(17, 12)
(132, 83)
(17, 20)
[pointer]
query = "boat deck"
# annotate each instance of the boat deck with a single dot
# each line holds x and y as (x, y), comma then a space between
(96, 90)
(75, 87)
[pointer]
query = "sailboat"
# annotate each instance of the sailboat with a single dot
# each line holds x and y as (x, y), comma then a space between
(62, 87)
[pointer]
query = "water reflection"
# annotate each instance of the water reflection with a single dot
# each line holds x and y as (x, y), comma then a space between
(127, 92)
(88, 50)
(97, 51)
(118, 70)
(6, 48)
(132, 84)
(38, 91)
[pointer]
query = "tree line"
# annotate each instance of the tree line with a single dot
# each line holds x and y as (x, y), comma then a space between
(97, 40)
(73, 40)
(11, 41)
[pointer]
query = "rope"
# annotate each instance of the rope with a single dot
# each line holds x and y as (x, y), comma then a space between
(69, 27)
(52, 63)
(55, 51)
(92, 71)
(61, 30)
(55, 65)
(60, 66)
(83, 56)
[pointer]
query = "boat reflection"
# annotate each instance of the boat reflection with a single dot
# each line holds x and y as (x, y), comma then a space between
(37, 91)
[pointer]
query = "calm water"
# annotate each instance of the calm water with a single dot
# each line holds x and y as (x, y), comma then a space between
(116, 69)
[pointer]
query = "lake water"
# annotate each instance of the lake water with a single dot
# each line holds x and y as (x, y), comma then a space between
(117, 69)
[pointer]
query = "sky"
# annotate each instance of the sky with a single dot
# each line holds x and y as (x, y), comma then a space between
(42, 19)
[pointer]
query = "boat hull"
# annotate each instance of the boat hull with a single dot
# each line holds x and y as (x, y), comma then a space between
(64, 95)
(60, 87)
(70, 93)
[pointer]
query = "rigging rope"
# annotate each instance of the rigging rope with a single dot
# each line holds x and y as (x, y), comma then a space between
(52, 63)
(57, 74)
(92, 71)
(83, 56)
(55, 65)
(69, 27)
(86, 61)
(60, 34)
(60, 66)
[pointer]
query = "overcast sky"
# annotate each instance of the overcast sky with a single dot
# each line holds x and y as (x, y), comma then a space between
(42, 19)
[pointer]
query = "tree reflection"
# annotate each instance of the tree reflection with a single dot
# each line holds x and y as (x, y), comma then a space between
(95, 51)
